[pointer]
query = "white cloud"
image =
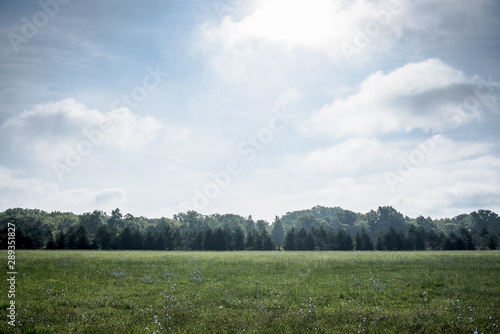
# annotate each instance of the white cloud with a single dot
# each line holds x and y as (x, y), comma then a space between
(437, 177)
(49, 131)
(14, 183)
(355, 156)
(22, 191)
(442, 190)
(341, 29)
(429, 95)
(318, 25)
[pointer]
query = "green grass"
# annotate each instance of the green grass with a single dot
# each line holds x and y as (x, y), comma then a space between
(255, 292)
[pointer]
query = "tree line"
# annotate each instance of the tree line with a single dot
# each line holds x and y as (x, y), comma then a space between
(319, 228)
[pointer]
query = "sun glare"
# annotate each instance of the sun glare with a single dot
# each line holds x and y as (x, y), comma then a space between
(293, 21)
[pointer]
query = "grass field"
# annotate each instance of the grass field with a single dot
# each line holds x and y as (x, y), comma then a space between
(254, 292)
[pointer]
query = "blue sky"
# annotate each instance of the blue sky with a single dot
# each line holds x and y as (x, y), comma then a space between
(250, 107)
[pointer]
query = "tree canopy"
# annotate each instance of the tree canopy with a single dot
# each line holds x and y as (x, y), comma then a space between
(319, 228)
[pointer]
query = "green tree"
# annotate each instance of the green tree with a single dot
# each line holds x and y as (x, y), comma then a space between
(363, 241)
(221, 240)
(208, 240)
(300, 239)
(432, 240)
(492, 242)
(415, 238)
(51, 244)
(484, 218)
(192, 219)
(178, 240)
(103, 237)
(250, 240)
(289, 243)
(267, 242)
(81, 238)
(167, 237)
(259, 244)
(239, 239)
(467, 238)
(387, 217)
(92, 221)
(261, 225)
(61, 240)
(137, 239)
(125, 240)
(306, 222)
(115, 222)
(277, 232)
(379, 242)
(197, 240)
(344, 240)
(393, 240)
(321, 240)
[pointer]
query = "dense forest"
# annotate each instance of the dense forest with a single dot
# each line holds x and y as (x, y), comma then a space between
(319, 228)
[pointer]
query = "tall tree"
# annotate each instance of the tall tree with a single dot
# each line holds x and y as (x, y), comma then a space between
(363, 241)
(393, 240)
(306, 222)
(261, 225)
(492, 242)
(300, 239)
(197, 240)
(321, 241)
(344, 240)
(387, 217)
(61, 240)
(432, 240)
(220, 240)
(289, 243)
(81, 238)
(467, 238)
(239, 239)
(103, 237)
(125, 239)
(208, 240)
(137, 239)
(277, 232)
(267, 242)
(115, 222)
(92, 221)
(51, 244)
(166, 235)
(485, 218)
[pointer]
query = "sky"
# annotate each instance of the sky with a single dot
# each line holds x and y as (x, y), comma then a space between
(256, 107)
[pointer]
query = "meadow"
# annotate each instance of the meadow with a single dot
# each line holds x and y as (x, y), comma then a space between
(254, 292)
